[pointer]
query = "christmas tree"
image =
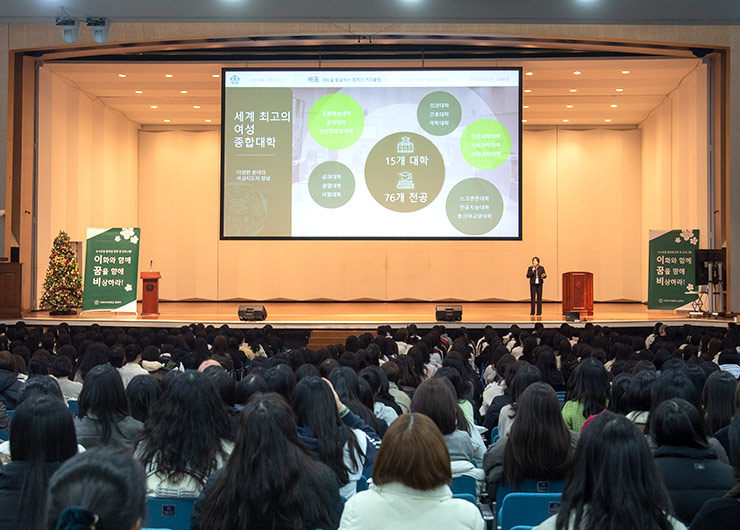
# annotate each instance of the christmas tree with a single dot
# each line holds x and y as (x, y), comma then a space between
(63, 283)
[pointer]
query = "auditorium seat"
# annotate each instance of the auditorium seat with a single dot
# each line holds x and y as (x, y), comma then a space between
(464, 484)
(466, 497)
(529, 486)
(527, 509)
(170, 513)
(74, 406)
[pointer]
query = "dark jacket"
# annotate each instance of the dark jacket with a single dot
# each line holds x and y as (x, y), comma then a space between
(9, 388)
(328, 483)
(692, 477)
(540, 272)
(11, 483)
(721, 513)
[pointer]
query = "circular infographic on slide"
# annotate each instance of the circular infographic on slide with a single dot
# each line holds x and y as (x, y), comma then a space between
(331, 184)
(474, 206)
(485, 144)
(439, 113)
(336, 121)
(404, 172)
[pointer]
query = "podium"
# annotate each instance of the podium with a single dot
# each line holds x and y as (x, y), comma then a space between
(578, 292)
(150, 293)
(10, 290)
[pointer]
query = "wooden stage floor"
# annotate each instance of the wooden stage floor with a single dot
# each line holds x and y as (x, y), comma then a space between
(369, 315)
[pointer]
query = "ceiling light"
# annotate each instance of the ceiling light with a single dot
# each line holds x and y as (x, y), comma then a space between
(183, 91)
(608, 120)
(529, 73)
(139, 91)
(208, 121)
(620, 90)
(524, 121)
(166, 121)
(625, 71)
(574, 90)
(169, 75)
(577, 72)
(566, 121)
(614, 105)
(152, 106)
(216, 75)
(100, 28)
(569, 106)
(121, 75)
(525, 107)
(196, 106)
(70, 27)
(528, 90)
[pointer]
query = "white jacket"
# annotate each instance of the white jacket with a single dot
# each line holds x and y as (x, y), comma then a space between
(402, 508)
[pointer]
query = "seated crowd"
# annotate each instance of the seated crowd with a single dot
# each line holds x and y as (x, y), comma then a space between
(638, 431)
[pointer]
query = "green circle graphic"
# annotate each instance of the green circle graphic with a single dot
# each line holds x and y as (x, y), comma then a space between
(336, 121)
(439, 113)
(474, 206)
(404, 172)
(485, 144)
(331, 184)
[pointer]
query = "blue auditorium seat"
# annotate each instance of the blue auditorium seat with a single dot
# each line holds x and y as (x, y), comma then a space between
(464, 484)
(466, 497)
(529, 486)
(170, 513)
(527, 509)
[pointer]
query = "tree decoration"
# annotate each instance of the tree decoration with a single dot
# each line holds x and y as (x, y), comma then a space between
(63, 283)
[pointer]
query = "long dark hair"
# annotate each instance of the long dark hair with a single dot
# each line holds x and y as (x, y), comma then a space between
(269, 452)
(677, 422)
(436, 399)
(589, 384)
(185, 433)
(143, 391)
(42, 432)
(718, 397)
(539, 444)
(614, 483)
(315, 409)
(103, 399)
(347, 385)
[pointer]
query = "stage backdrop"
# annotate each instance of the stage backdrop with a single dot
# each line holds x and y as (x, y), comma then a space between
(587, 193)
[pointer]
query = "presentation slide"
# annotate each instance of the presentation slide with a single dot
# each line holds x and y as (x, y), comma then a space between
(371, 154)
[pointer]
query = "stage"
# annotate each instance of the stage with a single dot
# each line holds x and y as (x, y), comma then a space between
(369, 315)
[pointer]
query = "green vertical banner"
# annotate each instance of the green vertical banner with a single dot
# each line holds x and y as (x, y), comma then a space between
(258, 172)
(111, 269)
(671, 263)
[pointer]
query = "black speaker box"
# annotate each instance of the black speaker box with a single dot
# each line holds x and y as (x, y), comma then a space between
(252, 312)
(572, 316)
(448, 313)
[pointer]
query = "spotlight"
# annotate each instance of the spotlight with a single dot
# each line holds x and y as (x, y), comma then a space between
(70, 28)
(100, 28)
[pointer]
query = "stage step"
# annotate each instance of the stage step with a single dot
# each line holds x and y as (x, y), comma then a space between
(320, 338)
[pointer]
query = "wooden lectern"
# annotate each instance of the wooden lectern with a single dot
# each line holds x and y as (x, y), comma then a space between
(150, 293)
(578, 292)
(10, 290)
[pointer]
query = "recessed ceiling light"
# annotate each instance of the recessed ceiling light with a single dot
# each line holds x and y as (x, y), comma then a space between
(574, 90)
(524, 121)
(169, 75)
(166, 121)
(525, 107)
(529, 73)
(152, 106)
(216, 75)
(139, 91)
(569, 106)
(121, 75)
(196, 106)
(528, 90)
(566, 121)
(614, 105)
(625, 71)
(577, 72)
(608, 120)
(208, 121)
(620, 90)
